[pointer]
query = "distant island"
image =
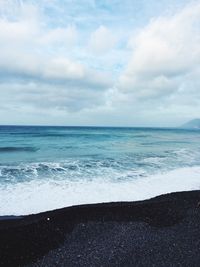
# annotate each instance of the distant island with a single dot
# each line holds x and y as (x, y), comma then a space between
(193, 124)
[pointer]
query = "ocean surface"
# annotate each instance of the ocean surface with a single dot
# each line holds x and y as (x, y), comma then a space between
(45, 168)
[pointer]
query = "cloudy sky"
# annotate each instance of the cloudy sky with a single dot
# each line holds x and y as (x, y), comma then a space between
(99, 62)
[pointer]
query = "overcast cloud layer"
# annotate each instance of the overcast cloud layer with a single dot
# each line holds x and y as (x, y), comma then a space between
(71, 62)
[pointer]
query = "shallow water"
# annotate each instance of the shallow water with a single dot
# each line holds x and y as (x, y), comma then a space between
(43, 168)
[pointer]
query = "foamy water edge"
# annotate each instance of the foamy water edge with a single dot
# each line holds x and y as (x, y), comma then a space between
(39, 196)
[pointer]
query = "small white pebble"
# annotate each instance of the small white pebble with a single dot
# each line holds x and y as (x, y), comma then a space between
(48, 219)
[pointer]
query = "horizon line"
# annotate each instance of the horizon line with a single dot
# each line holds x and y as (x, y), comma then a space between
(82, 126)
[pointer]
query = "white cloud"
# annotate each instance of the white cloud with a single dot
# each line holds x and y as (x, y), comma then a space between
(34, 71)
(163, 53)
(102, 40)
(63, 68)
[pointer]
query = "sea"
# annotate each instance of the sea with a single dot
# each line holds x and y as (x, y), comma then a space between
(44, 168)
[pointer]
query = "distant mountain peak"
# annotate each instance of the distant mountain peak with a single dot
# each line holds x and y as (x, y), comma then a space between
(193, 124)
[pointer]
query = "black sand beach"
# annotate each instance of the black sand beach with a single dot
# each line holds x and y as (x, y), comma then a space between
(163, 231)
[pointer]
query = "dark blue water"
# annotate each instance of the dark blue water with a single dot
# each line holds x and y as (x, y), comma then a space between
(49, 167)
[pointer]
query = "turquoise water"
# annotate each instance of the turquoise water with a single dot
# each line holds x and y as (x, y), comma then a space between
(51, 167)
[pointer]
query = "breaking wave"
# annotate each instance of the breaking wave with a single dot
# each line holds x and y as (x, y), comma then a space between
(42, 195)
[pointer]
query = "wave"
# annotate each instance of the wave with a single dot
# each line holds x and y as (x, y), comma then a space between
(71, 170)
(93, 167)
(42, 195)
(17, 149)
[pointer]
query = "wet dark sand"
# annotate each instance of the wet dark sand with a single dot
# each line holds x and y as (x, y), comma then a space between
(163, 231)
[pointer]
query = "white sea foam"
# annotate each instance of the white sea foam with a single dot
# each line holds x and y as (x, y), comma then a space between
(37, 196)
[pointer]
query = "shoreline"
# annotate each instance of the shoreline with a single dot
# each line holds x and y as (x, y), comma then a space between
(162, 231)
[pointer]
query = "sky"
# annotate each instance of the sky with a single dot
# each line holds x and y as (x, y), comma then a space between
(99, 62)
